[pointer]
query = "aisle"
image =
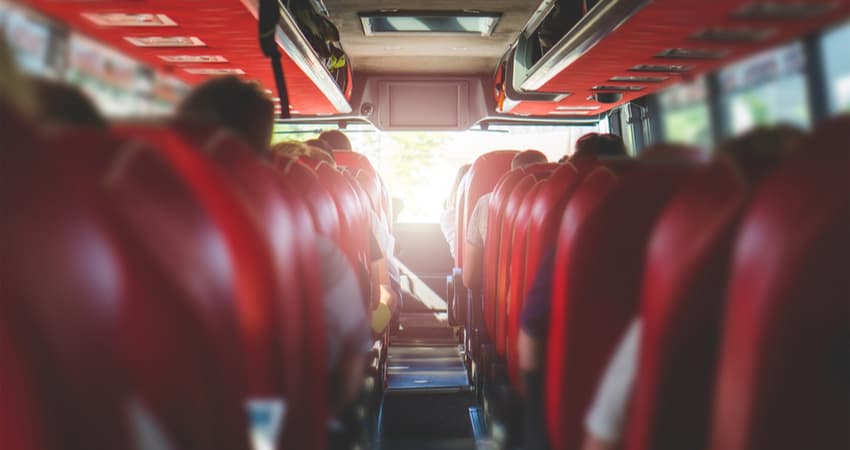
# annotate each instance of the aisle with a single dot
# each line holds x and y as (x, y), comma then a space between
(428, 395)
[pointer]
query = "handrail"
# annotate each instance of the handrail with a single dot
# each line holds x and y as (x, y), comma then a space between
(293, 42)
(604, 18)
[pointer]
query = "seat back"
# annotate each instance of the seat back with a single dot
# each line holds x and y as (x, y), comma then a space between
(318, 200)
(544, 215)
(65, 288)
(496, 210)
(598, 268)
(512, 207)
(783, 371)
(297, 345)
(681, 309)
(188, 227)
(481, 179)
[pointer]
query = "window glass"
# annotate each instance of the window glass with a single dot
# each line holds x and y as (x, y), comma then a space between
(685, 116)
(836, 60)
(419, 167)
(766, 89)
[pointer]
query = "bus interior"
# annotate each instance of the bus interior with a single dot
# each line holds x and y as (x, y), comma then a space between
(410, 225)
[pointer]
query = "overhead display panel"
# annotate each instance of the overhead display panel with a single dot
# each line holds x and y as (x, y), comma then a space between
(442, 22)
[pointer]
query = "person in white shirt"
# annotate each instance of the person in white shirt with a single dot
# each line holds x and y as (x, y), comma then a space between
(476, 230)
(448, 218)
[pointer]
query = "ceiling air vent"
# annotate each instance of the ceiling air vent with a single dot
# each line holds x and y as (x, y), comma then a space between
(742, 34)
(693, 53)
(389, 22)
(618, 88)
(638, 79)
(670, 68)
(783, 10)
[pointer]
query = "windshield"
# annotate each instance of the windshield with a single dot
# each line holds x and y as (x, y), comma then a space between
(419, 166)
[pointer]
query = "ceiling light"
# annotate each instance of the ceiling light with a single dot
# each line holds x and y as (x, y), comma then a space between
(130, 20)
(211, 71)
(571, 113)
(166, 41)
(439, 22)
(193, 58)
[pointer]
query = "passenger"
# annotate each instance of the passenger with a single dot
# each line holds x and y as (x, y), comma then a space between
(65, 105)
(448, 218)
(335, 140)
(236, 105)
(16, 91)
(476, 230)
(755, 154)
(244, 109)
(295, 150)
(321, 145)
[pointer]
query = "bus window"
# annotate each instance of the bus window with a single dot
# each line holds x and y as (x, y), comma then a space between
(685, 117)
(766, 89)
(837, 68)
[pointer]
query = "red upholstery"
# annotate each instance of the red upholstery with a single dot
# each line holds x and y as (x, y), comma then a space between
(285, 223)
(348, 207)
(319, 201)
(598, 267)
(357, 161)
(481, 179)
(496, 210)
(65, 289)
(683, 287)
(516, 282)
(512, 207)
(783, 372)
(163, 194)
(544, 217)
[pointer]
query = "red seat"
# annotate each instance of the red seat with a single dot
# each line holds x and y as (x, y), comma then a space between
(65, 288)
(598, 267)
(297, 350)
(212, 279)
(318, 200)
(496, 210)
(783, 371)
(681, 309)
(349, 209)
(542, 218)
(512, 206)
(481, 179)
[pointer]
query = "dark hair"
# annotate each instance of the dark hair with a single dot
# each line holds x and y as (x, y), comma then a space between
(239, 106)
(63, 104)
(336, 140)
(756, 152)
(595, 145)
(527, 158)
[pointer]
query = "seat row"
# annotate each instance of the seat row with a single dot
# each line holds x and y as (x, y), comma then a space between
(160, 280)
(742, 291)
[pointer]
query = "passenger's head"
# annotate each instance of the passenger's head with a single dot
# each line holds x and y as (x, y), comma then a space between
(757, 151)
(62, 104)
(461, 172)
(599, 145)
(15, 90)
(336, 140)
(239, 106)
(527, 158)
(295, 150)
(321, 145)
